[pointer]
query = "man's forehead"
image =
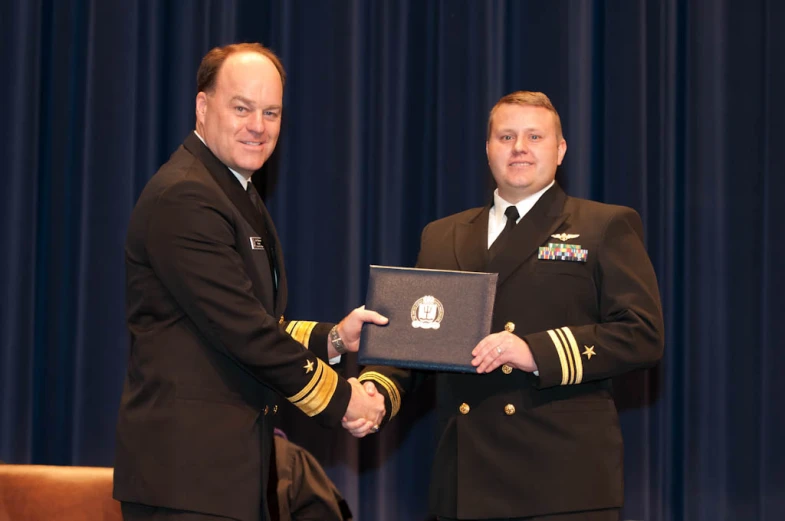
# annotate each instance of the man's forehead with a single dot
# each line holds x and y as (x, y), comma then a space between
(510, 108)
(241, 64)
(247, 57)
(533, 115)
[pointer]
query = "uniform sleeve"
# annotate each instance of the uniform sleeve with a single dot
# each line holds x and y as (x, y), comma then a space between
(629, 333)
(395, 382)
(312, 335)
(191, 247)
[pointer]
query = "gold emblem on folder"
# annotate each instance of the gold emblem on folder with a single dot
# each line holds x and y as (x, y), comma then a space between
(427, 313)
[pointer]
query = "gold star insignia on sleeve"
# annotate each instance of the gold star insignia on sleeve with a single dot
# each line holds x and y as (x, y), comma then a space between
(589, 352)
(317, 394)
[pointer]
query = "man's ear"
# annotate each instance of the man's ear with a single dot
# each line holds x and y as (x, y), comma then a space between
(201, 106)
(562, 148)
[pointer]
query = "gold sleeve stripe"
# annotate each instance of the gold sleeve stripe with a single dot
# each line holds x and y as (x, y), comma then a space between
(568, 354)
(560, 351)
(301, 330)
(315, 397)
(318, 400)
(389, 386)
(576, 355)
(317, 375)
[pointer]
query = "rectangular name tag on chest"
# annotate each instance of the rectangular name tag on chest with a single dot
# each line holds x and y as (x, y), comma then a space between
(436, 317)
(256, 243)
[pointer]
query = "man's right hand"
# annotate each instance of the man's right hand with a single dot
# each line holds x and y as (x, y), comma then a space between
(365, 412)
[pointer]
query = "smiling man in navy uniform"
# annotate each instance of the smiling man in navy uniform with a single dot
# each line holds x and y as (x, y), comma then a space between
(206, 291)
(535, 434)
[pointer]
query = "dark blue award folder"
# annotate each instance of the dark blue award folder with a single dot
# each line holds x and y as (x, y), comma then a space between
(436, 317)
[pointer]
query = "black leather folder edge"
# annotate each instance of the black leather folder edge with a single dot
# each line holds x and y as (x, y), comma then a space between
(461, 302)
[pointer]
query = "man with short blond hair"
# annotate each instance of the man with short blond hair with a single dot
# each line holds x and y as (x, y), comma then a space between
(525, 98)
(534, 435)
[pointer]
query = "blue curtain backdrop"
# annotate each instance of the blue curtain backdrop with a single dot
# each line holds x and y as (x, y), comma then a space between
(673, 107)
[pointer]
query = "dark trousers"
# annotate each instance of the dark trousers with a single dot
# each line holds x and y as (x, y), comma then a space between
(137, 512)
(612, 514)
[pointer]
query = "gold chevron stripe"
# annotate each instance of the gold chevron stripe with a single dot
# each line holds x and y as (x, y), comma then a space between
(316, 395)
(565, 373)
(389, 386)
(301, 330)
(568, 354)
(320, 398)
(317, 375)
(576, 354)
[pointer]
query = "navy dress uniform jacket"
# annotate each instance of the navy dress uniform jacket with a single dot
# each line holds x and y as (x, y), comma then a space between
(210, 354)
(513, 444)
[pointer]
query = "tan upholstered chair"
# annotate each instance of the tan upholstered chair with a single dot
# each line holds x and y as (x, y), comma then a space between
(53, 493)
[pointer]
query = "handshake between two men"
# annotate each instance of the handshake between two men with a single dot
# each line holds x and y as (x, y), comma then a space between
(366, 409)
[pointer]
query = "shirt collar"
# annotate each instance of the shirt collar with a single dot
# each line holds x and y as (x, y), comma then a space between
(243, 180)
(524, 205)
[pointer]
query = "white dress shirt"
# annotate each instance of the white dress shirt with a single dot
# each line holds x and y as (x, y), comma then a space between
(496, 218)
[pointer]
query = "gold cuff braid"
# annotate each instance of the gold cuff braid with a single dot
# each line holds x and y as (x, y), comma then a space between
(388, 385)
(318, 392)
(301, 330)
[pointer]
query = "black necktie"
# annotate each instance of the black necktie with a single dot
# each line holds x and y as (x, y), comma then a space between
(253, 195)
(498, 245)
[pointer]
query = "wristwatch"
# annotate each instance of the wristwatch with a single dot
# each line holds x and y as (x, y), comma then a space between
(335, 340)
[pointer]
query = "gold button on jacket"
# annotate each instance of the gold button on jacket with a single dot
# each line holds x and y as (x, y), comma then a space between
(509, 409)
(464, 408)
(509, 327)
(506, 369)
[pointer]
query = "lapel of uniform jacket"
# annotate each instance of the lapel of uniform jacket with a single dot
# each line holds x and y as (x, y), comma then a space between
(471, 241)
(530, 233)
(227, 181)
(280, 301)
(261, 223)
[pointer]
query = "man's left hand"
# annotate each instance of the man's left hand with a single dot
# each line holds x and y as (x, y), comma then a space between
(503, 348)
(351, 326)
